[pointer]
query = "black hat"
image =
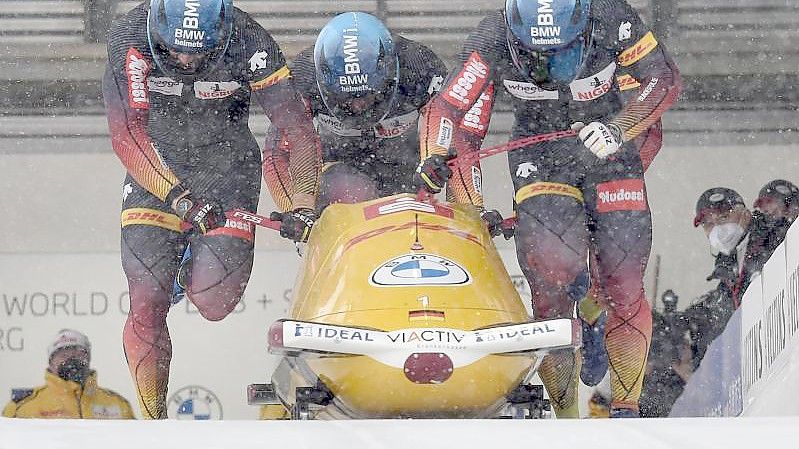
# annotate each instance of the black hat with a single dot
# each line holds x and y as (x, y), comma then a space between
(716, 199)
(781, 190)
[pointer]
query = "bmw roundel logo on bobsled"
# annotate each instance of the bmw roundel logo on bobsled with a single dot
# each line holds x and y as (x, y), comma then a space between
(420, 269)
(408, 313)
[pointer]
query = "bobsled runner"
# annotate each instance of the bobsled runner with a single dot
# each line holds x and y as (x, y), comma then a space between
(403, 308)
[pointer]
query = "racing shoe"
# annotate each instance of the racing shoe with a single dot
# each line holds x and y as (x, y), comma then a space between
(595, 356)
(624, 413)
(179, 284)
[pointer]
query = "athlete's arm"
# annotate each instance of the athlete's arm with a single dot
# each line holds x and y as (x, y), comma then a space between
(127, 104)
(457, 118)
(276, 168)
(645, 62)
(272, 89)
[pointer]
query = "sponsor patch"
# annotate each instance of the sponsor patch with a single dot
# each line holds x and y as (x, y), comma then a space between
(640, 49)
(435, 85)
(136, 69)
(258, 60)
(525, 169)
(466, 88)
(276, 77)
(444, 138)
(478, 117)
(396, 126)
(477, 180)
(623, 194)
(627, 82)
(403, 204)
(150, 217)
(529, 91)
(548, 188)
(625, 31)
(236, 227)
(648, 89)
(212, 90)
(419, 269)
(593, 87)
(164, 85)
(334, 125)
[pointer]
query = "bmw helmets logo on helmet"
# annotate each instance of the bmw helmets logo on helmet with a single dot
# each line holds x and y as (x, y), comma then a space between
(195, 27)
(355, 60)
(548, 38)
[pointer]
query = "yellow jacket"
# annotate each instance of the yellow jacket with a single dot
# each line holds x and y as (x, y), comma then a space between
(60, 398)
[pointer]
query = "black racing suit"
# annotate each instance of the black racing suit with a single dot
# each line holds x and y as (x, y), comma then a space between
(190, 132)
(566, 198)
(365, 162)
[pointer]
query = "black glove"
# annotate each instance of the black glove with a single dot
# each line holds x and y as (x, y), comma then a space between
(493, 220)
(433, 172)
(295, 225)
(203, 214)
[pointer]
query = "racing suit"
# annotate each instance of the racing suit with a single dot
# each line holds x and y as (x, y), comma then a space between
(360, 163)
(191, 132)
(568, 200)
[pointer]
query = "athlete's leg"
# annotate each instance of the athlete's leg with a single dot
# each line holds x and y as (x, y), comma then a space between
(221, 263)
(343, 183)
(551, 245)
(150, 257)
(622, 235)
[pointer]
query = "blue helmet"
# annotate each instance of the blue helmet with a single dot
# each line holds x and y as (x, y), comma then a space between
(357, 68)
(548, 38)
(196, 27)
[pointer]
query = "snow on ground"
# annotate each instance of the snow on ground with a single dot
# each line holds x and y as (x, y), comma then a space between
(682, 433)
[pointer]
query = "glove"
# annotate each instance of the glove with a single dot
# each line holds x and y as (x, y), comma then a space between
(433, 172)
(203, 214)
(493, 220)
(601, 139)
(295, 225)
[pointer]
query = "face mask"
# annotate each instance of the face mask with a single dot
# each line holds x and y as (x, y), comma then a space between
(724, 238)
(74, 369)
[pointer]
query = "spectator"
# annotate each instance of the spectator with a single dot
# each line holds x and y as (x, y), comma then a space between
(71, 389)
(97, 15)
(776, 208)
(726, 222)
(669, 361)
(706, 320)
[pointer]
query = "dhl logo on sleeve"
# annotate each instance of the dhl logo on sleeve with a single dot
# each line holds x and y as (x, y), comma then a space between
(627, 82)
(151, 217)
(641, 48)
(278, 76)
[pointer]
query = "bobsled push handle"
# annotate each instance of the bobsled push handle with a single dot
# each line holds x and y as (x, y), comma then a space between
(251, 217)
(512, 145)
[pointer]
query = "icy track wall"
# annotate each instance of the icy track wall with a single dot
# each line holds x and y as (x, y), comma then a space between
(753, 367)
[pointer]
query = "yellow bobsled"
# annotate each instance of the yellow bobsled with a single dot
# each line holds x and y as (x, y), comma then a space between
(403, 308)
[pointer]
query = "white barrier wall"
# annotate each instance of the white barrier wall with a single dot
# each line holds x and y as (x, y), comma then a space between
(212, 361)
(770, 322)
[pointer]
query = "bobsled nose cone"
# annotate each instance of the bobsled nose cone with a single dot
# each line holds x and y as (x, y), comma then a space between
(428, 368)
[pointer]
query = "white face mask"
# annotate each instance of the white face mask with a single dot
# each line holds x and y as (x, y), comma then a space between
(725, 237)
